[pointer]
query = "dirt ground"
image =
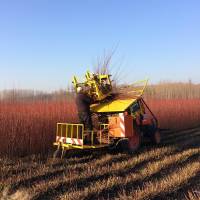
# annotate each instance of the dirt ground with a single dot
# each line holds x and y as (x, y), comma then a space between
(170, 170)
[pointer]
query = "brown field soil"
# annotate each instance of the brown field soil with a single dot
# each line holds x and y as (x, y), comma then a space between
(170, 170)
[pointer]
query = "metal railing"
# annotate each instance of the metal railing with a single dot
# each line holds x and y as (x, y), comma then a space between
(75, 134)
(139, 87)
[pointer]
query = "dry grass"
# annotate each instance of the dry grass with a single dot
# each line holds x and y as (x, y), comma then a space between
(193, 195)
(168, 171)
(21, 194)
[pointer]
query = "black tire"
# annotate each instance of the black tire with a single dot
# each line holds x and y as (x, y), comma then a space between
(152, 133)
(130, 145)
(113, 145)
(122, 145)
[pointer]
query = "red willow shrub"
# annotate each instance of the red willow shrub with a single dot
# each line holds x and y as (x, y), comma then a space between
(176, 113)
(28, 128)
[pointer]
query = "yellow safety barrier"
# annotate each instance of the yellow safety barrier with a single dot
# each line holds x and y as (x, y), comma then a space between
(73, 135)
(70, 133)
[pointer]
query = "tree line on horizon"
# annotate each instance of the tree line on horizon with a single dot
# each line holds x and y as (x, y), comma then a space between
(162, 90)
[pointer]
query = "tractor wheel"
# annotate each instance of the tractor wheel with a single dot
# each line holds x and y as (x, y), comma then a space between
(134, 142)
(130, 144)
(121, 145)
(58, 152)
(156, 137)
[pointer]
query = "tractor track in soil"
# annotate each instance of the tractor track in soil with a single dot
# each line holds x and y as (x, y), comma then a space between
(167, 171)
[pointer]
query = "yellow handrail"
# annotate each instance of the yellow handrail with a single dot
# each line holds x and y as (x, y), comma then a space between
(76, 131)
(140, 91)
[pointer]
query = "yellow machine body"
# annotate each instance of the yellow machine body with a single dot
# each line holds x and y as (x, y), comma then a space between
(112, 106)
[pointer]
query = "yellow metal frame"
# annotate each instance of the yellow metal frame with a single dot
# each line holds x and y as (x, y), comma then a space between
(79, 130)
(139, 92)
(112, 106)
(120, 105)
(94, 82)
(68, 125)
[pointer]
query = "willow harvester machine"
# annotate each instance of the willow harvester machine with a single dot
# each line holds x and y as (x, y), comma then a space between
(118, 122)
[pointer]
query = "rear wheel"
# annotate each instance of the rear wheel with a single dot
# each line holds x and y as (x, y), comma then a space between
(152, 133)
(130, 144)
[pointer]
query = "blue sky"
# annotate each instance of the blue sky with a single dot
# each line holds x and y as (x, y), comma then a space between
(44, 42)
